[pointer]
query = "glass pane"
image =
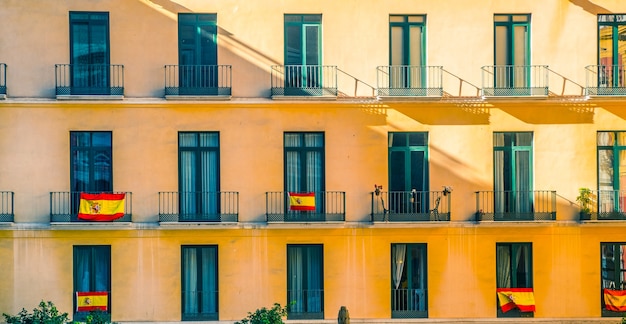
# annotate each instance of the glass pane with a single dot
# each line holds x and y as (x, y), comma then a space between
(605, 43)
(187, 139)
(418, 172)
(418, 139)
(312, 45)
(415, 50)
(397, 139)
(293, 45)
(397, 49)
(209, 140)
(102, 139)
(396, 18)
(501, 18)
(606, 138)
(605, 169)
(417, 19)
(397, 170)
(313, 140)
(293, 140)
(519, 45)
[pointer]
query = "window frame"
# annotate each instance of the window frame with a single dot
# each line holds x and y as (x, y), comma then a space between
(197, 249)
(422, 271)
(514, 247)
(314, 248)
(97, 253)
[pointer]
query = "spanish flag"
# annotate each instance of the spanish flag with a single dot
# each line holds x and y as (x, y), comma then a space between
(91, 301)
(615, 300)
(301, 201)
(522, 298)
(102, 207)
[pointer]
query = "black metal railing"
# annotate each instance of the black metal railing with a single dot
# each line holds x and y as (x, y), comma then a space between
(329, 206)
(7, 214)
(220, 206)
(409, 303)
(408, 80)
(200, 305)
(3, 79)
(64, 207)
(305, 304)
(89, 79)
(198, 80)
(304, 80)
(605, 205)
(410, 206)
(515, 80)
(605, 80)
(515, 205)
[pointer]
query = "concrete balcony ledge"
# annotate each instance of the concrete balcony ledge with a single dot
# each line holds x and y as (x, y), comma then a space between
(602, 320)
(89, 97)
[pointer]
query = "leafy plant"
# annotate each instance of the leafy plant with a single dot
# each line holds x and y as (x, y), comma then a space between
(584, 199)
(98, 317)
(264, 315)
(46, 313)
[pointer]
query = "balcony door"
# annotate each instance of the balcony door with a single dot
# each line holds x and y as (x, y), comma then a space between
(408, 173)
(611, 198)
(513, 188)
(406, 51)
(197, 54)
(303, 53)
(611, 42)
(305, 281)
(304, 167)
(89, 53)
(512, 51)
(198, 162)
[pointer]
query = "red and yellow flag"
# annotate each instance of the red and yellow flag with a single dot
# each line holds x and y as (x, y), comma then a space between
(301, 201)
(614, 300)
(102, 207)
(522, 298)
(91, 301)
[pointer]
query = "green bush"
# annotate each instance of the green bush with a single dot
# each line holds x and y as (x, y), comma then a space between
(264, 315)
(98, 317)
(46, 313)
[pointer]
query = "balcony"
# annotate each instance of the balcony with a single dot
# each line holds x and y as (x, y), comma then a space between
(515, 205)
(220, 206)
(409, 303)
(64, 208)
(90, 81)
(409, 81)
(605, 80)
(515, 81)
(330, 206)
(410, 206)
(6, 206)
(198, 81)
(303, 81)
(606, 205)
(3, 81)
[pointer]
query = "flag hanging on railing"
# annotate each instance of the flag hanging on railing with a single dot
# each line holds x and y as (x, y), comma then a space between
(521, 298)
(301, 201)
(102, 207)
(92, 300)
(615, 300)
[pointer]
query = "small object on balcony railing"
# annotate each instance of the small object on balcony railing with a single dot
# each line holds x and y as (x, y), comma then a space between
(344, 316)
(102, 207)
(447, 190)
(377, 190)
(301, 201)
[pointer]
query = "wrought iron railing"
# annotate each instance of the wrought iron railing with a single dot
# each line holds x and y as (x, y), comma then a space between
(410, 206)
(607, 80)
(329, 206)
(303, 80)
(409, 80)
(305, 304)
(220, 206)
(515, 205)
(64, 207)
(3, 79)
(409, 303)
(605, 205)
(7, 214)
(89, 79)
(200, 305)
(198, 80)
(515, 80)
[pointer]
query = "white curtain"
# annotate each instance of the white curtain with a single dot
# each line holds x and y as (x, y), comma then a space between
(199, 280)
(503, 267)
(398, 252)
(198, 162)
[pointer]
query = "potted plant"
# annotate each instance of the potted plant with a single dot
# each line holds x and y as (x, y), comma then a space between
(584, 199)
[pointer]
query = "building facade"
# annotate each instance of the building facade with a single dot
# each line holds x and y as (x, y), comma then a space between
(405, 159)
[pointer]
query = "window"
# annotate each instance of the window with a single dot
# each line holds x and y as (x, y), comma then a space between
(92, 277)
(305, 281)
(91, 164)
(198, 160)
(303, 51)
(197, 53)
(304, 165)
(611, 39)
(199, 283)
(408, 172)
(513, 188)
(512, 50)
(514, 269)
(611, 169)
(408, 281)
(89, 52)
(406, 51)
(613, 269)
